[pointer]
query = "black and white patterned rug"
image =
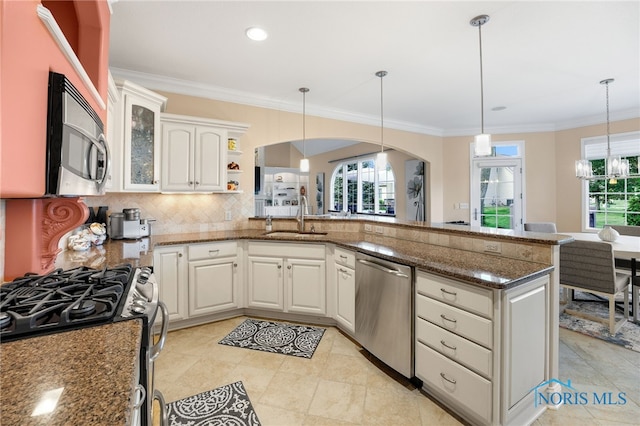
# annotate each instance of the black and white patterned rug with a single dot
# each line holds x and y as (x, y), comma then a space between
(269, 336)
(628, 336)
(224, 406)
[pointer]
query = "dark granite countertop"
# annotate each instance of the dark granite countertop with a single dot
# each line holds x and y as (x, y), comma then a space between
(95, 369)
(483, 269)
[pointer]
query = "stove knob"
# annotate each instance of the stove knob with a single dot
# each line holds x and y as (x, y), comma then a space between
(136, 309)
(140, 302)
(143, 277)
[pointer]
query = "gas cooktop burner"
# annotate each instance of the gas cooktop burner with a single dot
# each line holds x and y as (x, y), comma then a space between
(83, 309)
(36, 304)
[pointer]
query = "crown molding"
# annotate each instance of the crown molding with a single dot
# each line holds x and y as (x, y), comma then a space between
(191, 88)
(184, 87)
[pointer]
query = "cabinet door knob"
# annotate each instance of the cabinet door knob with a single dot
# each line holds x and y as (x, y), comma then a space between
(179, 254)
(235, 265)
(289, 267)
(197, 183)
(279, 266)
(190, 182)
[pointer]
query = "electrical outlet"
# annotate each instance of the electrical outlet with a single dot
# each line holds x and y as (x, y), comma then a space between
(227, 215)
(492, 247)
(379, 230)
(367, 227)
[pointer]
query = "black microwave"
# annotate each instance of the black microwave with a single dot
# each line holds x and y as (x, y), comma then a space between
(77, 152)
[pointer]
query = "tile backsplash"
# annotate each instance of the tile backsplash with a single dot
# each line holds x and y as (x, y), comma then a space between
(182, 213)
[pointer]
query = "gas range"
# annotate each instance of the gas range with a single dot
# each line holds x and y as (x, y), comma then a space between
(34, 305)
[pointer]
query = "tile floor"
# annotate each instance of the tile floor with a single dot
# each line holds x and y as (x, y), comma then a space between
(339, 386)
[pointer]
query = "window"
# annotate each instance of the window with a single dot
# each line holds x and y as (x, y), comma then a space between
(497, 187)
(358, 186)
(612, 202)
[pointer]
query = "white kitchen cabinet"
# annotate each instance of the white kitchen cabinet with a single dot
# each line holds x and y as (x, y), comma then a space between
(135, 142)
(194, 153)
(113, 97)
(265, 278)
(305, 283)
(345, 289)
(481, 351)
(170, 270)
(214, 278)
(294, 280)
(192, 157)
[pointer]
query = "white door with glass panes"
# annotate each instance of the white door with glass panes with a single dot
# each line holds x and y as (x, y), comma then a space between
(496, 192)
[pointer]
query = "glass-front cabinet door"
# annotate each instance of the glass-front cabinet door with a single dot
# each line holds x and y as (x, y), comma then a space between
(139, 145)
(142, 148)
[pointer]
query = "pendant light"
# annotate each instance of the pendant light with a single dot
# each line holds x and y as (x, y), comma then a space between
(304, 163)
(615, 166)
(381, 158)
(482, 142)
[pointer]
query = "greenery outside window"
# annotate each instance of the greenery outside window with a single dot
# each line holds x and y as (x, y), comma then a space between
(358, 186)
(616, 201)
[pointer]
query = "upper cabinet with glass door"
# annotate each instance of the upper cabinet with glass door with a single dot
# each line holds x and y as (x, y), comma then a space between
(135, 143)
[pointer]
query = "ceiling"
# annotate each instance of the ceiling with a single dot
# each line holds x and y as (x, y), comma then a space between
(542, 60)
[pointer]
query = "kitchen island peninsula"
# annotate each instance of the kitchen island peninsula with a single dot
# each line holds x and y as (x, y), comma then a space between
(494, 294)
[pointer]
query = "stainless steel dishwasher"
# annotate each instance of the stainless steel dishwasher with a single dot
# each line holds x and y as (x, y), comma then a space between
(384, 311)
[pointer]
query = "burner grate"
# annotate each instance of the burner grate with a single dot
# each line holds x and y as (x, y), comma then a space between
(59, 300)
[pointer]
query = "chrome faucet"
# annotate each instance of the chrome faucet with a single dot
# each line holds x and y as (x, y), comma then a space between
(301, 212)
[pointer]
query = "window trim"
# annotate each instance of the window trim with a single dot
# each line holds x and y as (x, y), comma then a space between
(627, 139)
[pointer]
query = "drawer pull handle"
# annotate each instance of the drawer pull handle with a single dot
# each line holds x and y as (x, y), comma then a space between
(453, 348)
(453, 293)
(342, 256)
(444, 317)
(453, 382)
(213, 252)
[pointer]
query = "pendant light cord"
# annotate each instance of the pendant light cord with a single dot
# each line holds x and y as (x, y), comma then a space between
(608, 132)
(304, 91)
(481, 82)
(381, 74)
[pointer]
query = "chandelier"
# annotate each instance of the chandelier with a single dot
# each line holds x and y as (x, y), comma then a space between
(615, 166)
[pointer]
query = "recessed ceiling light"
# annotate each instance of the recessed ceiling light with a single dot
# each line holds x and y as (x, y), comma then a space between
(256, 33)
(498, 108)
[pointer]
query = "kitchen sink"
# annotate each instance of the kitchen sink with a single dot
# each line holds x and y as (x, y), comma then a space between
(294, 234)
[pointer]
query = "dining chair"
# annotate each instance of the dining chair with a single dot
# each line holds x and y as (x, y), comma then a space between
(627, 230)
(631, 265)
(548, 227)
(589, 266)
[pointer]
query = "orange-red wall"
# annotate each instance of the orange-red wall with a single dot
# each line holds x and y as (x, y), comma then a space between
(27, 53)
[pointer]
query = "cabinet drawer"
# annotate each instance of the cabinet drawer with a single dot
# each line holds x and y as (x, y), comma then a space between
(464, 296)
(212, 250)
(455, 347)
(460, 322)
(457, 383)
(299, 251)
(345, 257)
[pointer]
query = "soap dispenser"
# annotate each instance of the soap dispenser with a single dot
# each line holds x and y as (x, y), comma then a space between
(268, 224)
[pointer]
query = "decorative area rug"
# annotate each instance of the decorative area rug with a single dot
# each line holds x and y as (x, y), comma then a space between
(276, 337)
(227, 405)
(628, 336)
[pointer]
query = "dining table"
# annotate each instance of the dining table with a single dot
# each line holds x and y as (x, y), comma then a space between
(624, 247)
